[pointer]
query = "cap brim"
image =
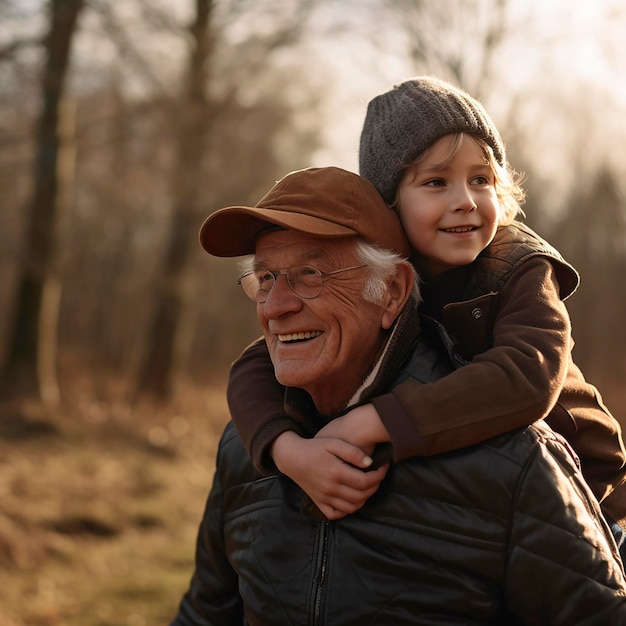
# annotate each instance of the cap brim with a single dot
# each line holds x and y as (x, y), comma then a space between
(234, 231)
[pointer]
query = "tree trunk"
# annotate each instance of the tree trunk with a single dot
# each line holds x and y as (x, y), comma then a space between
(167, 348)
(29, 369)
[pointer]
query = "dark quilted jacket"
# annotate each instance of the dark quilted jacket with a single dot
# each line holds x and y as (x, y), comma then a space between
(505, 532)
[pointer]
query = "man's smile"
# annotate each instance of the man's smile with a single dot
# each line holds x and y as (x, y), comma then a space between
(305, 335)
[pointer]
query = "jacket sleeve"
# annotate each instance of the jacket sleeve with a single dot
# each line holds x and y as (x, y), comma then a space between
(256, 403)
(212, 598)
(582, 418)
(563, 567)
(511, 385)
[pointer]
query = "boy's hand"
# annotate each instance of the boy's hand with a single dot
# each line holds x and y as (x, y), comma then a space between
(329, 471)
(362, 427)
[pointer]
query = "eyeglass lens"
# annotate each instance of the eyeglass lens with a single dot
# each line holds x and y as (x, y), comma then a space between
(304, 280)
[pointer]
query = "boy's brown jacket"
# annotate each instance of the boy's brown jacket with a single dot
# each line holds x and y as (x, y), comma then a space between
(506, 313)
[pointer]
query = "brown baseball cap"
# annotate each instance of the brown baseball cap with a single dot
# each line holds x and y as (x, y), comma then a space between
(323, 202)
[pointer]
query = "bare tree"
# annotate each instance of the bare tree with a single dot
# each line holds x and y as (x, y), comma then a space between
(593, 237)
(169, 336)
(161, 356)
(29, 366)
(458, 40)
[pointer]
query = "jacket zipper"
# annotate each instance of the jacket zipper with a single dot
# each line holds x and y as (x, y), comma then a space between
(319, 577)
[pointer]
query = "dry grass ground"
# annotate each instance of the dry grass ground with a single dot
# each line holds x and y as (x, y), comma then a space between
(100, 504)
(99, 508)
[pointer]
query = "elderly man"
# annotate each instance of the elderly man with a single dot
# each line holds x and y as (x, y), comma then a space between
(505, 532)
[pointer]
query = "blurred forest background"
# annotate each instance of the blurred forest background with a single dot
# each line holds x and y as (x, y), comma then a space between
(123, 124)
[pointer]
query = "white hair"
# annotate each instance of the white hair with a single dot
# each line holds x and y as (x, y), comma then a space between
(381, 264)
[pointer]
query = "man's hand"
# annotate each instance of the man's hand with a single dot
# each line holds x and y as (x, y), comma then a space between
(330, 471)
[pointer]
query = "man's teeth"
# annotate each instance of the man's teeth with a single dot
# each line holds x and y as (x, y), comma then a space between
(309, 334)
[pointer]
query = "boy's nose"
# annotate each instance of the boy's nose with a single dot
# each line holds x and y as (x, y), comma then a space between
(465, 202)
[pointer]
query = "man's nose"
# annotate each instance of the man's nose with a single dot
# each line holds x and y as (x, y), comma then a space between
(281, 299)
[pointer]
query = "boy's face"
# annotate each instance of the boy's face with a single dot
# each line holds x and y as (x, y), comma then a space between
(448, 206)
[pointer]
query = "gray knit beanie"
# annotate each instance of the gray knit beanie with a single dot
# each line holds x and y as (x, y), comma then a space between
(401, 123)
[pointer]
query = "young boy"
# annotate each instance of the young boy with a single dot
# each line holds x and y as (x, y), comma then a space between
(433, 152)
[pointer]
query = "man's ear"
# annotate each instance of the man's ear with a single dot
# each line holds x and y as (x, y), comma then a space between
(399, 288)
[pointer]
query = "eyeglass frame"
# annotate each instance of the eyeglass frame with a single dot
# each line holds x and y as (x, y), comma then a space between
(275, 274)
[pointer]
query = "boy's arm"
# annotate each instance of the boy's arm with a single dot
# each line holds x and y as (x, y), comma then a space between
(515, 383)
(255, 399)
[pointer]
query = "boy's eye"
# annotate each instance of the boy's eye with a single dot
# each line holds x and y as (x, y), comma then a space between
(435, 182)
(481, 180)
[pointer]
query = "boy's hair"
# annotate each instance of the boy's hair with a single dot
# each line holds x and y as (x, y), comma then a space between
(401, 123)
(507, 182)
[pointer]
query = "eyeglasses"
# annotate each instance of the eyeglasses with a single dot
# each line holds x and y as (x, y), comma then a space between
(305, 281)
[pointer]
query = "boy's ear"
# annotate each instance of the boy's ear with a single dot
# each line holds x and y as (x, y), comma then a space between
(399, 288)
